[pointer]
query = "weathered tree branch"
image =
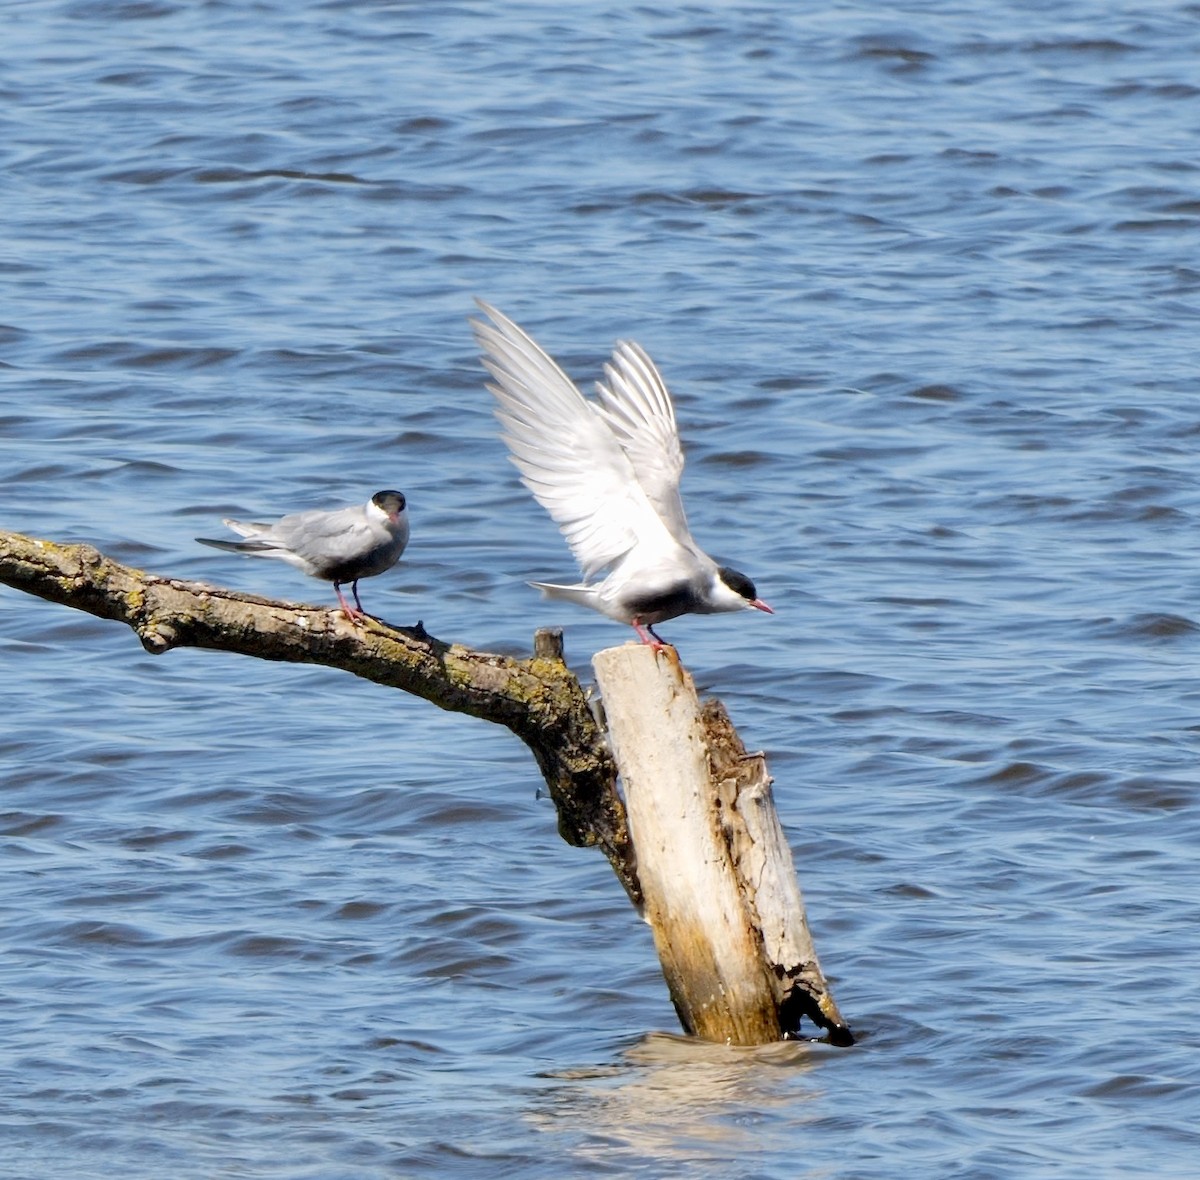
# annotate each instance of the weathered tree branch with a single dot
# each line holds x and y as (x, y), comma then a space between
(539, 699)
(716, 878)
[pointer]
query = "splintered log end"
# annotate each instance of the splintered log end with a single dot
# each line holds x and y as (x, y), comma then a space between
(548, 644)
(770, 890)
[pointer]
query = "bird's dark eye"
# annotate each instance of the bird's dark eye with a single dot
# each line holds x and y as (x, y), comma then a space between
(738, 583)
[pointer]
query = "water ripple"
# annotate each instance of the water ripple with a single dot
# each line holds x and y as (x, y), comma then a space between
(916, 281)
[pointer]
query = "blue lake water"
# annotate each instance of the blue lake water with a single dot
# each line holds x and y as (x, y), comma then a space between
(925, 282)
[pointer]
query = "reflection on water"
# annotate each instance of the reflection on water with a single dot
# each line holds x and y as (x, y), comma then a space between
(671, 1097)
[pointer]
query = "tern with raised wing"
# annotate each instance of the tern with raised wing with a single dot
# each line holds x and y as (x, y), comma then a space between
(340, 546)
(608, 473)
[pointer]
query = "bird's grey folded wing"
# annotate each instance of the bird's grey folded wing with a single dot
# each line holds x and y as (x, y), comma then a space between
(325, 534)
(566, 452)
(637, 407)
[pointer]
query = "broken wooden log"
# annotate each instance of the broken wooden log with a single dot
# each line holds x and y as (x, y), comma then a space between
(718, 886)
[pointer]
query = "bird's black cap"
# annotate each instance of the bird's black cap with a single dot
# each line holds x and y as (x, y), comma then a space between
(390, 502)
(738, 583)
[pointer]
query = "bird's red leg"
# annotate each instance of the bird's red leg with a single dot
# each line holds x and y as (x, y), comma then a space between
(352, 614)
(647, 636)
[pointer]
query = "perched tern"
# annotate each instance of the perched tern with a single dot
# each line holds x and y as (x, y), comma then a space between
(608, 473)
(339, 546)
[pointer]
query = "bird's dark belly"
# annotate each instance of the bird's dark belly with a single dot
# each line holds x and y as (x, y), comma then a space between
(662, 605)
(365, 565)
(345, 571)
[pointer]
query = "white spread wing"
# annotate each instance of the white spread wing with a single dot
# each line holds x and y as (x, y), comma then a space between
(635, 403)
(565, 449)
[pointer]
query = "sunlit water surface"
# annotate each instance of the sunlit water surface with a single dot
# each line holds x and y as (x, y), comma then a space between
(925, 283)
